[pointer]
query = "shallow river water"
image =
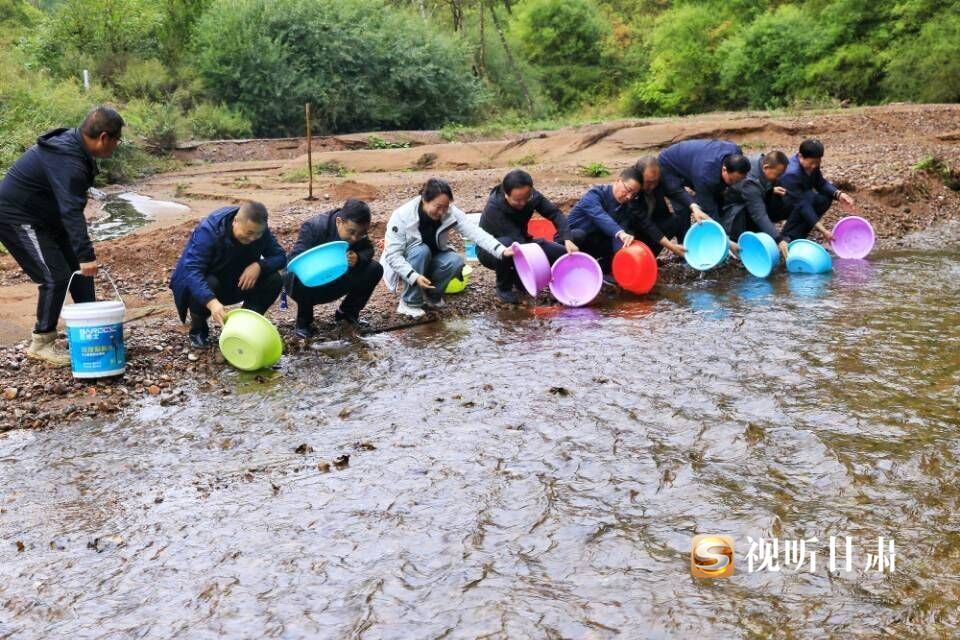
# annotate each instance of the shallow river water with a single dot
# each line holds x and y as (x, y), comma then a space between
(529, 474)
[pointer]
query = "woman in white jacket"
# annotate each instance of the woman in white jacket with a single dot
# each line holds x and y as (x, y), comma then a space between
(416, 248)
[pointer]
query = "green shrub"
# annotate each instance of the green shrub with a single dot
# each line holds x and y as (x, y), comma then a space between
(158, 125)
(214, 122)
(926, 68)
(360, 63)
(32, 103)
(147, 79)
(684, 68)
(766, 63)
(99, 35)
(564, 39)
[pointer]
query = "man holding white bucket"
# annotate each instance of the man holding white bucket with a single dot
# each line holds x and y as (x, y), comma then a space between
(42, 225)
(231, 257)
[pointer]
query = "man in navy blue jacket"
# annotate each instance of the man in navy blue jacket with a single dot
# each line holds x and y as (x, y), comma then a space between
(809, 194)
(231, 257)
(42, 225)
(706, 166)
(350, 224)
(593, 220)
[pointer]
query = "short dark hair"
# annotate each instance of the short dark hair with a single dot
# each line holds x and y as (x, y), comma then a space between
(100, 120)
(646, 162)
(736, 163)
(356, 211)
(811, 148)
(253, 212)
(631, 173)
(516, 179)
(775, 159)
(435, 187)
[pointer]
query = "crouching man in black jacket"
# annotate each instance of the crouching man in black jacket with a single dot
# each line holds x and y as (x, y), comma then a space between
(506, 215)
(349, 224)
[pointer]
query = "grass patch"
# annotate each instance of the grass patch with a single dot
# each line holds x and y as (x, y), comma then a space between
(376, 142)
(300, 174)
(525, 161)
(937, 167)
(595, 170)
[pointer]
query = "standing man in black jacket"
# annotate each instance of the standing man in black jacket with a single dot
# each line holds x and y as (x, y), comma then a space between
(647, 216)
(42, 225)
(350, 223)
(509, 208)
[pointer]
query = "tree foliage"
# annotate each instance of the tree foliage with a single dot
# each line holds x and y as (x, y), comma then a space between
(360, 65)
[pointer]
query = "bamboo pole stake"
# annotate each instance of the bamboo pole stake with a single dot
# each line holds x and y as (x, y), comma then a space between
(306, 109)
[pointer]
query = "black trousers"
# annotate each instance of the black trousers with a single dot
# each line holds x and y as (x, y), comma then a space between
(741, 221)
(48, 259)
(597, 244)
(224, 286)
(355, 287)
(798, 224)
(507, 278)
(672, 225)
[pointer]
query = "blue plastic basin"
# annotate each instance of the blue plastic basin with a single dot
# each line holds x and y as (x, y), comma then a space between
(706, 244)
(806, 256)
(758, 253)
(321, 265)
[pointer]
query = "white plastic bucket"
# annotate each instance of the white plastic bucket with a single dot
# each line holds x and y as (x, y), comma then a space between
(95, 333)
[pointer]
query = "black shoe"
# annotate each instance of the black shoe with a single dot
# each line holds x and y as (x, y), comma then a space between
(609, 280)
(507, 296)
(305, 331)
(200, 338)
(340, 316)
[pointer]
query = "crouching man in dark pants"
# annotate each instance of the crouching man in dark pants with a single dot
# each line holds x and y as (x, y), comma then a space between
(350, 224)
(230, 257)
(42, 199)
(506, 215)
(808, 194)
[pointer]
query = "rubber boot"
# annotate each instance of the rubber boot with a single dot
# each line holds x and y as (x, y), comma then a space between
(43, 347)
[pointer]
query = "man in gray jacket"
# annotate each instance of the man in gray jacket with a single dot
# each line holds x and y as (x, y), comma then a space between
(756, 202)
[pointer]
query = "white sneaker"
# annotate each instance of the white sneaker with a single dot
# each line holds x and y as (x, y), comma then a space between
(413, 312)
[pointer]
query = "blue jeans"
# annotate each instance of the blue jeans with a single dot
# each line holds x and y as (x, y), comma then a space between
(440, 268)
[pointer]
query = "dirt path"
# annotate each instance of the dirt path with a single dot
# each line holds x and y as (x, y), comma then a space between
(870, 153)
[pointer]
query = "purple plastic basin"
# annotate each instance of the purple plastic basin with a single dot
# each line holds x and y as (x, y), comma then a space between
(853, 238)
(577, 279)
(532, 265)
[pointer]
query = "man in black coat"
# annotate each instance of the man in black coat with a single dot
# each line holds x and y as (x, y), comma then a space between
(647, 216)
(506, 215)
(756, 202)
(808, 194)
(350, 224)
(42, 225)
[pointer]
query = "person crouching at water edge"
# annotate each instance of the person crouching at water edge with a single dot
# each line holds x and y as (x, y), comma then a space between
(808, 194)
(350, 224)
(508, 211)
(416, 249)
(230, 257)
(42, 199)
(593, 220)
